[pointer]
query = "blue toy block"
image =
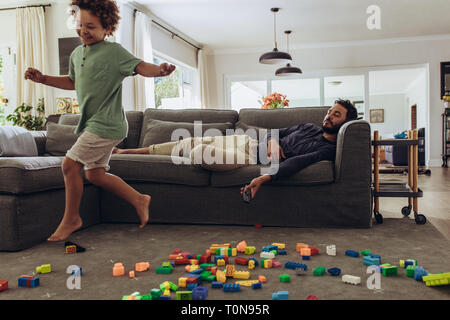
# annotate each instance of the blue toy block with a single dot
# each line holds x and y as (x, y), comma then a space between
(270, 248)
(163, 297)
(254, 260)
(197, 271)
(191, 256)
(191, 286)
(217, 258)
(295, 265)
(306, 257)
(217, 285)
(352, 253)
(334, 271)
(172, 263)
(29, 282)
(231, 287)
(282, 252)
(194, 275)
(257, 285)
(374, 256)
(280, 295)
(371, 261)
(419, 272)
(200, 293)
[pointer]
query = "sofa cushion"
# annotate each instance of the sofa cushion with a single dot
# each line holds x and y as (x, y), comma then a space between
(157, 169)
(30, 174)
(158, 131)
(317, 173)
(282, 118)
(60, 138)
(187, 115)
(255, 132)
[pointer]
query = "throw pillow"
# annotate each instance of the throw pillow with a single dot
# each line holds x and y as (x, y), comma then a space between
(60, 138)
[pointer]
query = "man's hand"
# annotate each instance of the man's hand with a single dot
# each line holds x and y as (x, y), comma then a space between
(273, 145)
(34, 75)
(255, 184)
(166, 69)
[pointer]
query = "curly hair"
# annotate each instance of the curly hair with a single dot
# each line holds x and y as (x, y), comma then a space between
(352, 113)
(106, 10)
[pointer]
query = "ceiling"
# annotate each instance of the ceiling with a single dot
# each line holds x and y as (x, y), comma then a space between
(240, 24)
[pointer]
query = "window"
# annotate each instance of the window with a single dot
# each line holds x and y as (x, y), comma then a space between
(299, 92)
(174, 91)
(246, 94)
(7, 82)
(347, 88)
(2, 96)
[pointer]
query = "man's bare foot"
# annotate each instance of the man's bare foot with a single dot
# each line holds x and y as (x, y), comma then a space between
(65, 229)
(118, 151)
(142, 209)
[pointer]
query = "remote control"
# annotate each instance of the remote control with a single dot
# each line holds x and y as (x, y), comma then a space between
(247, 196)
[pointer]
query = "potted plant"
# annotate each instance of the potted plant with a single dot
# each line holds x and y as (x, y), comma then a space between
(22, 116)
(274, 101)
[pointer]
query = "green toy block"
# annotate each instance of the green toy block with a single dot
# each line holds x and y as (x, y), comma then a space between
(388, 270)
(250, 250)
(437, 279)
(410, 271)
(164, 270)
(205, 266)
(217, 252)
(365, 252)
(155, 293)
(146, 297)
(198, 257)
(319, 271)
(274, 252)
(211, 278)
(285, 278)
(184, 295)
(166, 264)
(173, 286)
(205, 275)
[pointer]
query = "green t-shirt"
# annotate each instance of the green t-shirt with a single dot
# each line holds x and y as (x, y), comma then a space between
(98, 71)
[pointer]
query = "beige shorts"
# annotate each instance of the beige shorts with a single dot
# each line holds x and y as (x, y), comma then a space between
(92, 151)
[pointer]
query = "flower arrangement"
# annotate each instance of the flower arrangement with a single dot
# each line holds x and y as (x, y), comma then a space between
(274, 101)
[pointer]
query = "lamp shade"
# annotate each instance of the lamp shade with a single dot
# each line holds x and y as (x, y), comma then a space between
(288, 70)
(275, 57)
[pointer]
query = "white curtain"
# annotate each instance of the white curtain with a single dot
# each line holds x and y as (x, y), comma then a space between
(203, 74)
(31, 52)
(144, 88)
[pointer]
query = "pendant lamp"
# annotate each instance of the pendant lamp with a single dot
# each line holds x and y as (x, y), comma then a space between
(288, 70)
(275, 56)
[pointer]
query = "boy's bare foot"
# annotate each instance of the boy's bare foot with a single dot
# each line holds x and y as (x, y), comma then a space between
(118, 151)
(142, 209)
(65, 229)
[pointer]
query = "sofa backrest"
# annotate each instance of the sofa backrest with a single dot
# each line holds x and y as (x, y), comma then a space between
(158, 124)
(282, 118)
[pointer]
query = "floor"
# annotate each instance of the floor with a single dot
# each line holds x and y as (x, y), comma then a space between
(435, 203)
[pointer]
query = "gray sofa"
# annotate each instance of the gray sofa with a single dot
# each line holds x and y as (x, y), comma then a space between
(325, 194)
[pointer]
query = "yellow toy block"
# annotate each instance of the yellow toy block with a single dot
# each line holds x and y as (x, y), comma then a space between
(437, 279)
(214, 247)
(220, 262)
(220, 276)
(166, 285)
(234, 252)
(280, 246)
(241, 275)
(251, 264)
(247, 283)
(229, 270)
(182, 282)
(300, 245)
(268, 263)
(71, 249)
(166, 292)
(193, 261)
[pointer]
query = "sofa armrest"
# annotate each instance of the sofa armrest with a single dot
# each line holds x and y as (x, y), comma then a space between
(353, 153)
(40, 137)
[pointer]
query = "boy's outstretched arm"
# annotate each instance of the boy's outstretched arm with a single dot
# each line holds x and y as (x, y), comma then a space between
(146, 69)
(63, 82)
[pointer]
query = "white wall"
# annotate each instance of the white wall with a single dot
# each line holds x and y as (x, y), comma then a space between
(394, 114)
(357, 55)
(8, 40)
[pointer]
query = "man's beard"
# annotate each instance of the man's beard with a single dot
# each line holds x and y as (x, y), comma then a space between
(331, 130)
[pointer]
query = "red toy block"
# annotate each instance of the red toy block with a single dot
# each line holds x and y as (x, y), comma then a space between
(241, 261)
(191, 280)
(181, 261)
(258, 226)
(177, 251)
(205, 259)
(314, 251)
(311, 297)
(174, 256)
(185, 254)
(3, 285)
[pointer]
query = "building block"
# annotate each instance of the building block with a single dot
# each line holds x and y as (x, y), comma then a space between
(331, 250)
(184, 295)
(334, 271)
(285, 278)
(370, 261)
(231, 287)
(388, 270)
(352, 253)
(266, 263)
(282, 252)
(276, 264)
(132, 297)
(254, 260)
(408, 262)
(319, 271)
(205, 275)
(241, 275)
(240, 247)
(229, 270)
(214, 247)
(241, 261)
(182, 282)
(247, 283)
(217, 285)
(257, 285)
(262, 279)
(299, 272)
(200, 293)
(45, 268)
(163, 297)
(314, 251)
(300, 245)
(267, 255)
(142, 266)
(251, 264)
(220, 262)
(206, 266)
(168, 286)
(365, 252)
(196, 271)
(71, 249)
(280, 295)
(78, 248)
(250, 250)
(269, 248)
(181, 260)
(192, 267)
(306, 257)
(164, 269)
(191, 286)
(410, 271)
(28, 281)
(218, 257)
(437, 279)
(351, 279)
(118, 269)
(280, 246)
(419, 272)
(155, 293)
(295, 265)
(305, 251)
(131, 274)
(3, 285)
(221, 276)
(177, 251)
(311, 297)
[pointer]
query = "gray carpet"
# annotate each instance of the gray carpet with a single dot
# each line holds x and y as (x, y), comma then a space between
(109, 243)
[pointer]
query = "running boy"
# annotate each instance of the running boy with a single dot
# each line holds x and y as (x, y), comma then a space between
(96, 71)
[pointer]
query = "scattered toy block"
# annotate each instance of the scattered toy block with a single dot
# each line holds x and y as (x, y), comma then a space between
(250, 250)
(257, 285)
(218, 257)
(229, 270)
(71, 249)
(280, 246)
(191, 286)
(142, 266)
(184, 295)
(262, 279)
(241, 261)
(306, 257)
(408, 262)
(280, 295)
(155, 293)
(276, 264)
(331, 250)
(437, 279)
(217, 285)
(131, 274)
(295, 265)
(177, 251)
(78, 248)
(387, 270)
(220, 262)
(221, 276)
(164, 270)
(241, 275)
(28, 281)
(300, 245)
(3, 285)
(319, 271)
(200, 293)
(311, 297)
(365, 252)
(266, 263)
(419, 273)
(285, 278)
(269, 248)
(231, 287)
(240, 247)
(334, 271)
(45, 268)
(371, 261)
(314, 251)
(267, 255)
(282, 252)
(410, 271)
(247, 283)
(351, 279)
(352, 253)
(118, 269)
(305, 251)
(214, 247)
(251, 264)
(182, 282)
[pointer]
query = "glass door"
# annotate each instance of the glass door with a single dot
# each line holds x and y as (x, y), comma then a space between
(7, 83)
